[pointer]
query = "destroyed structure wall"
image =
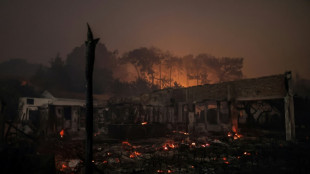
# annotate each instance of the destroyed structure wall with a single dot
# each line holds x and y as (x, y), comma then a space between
(180, 106)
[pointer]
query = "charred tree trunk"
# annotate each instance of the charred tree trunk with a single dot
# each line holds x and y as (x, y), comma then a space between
(90, 59)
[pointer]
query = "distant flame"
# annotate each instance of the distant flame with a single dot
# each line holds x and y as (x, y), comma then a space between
(61, 133)
(144, 123)
(234, 129)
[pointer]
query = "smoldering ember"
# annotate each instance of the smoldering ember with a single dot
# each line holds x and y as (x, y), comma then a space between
(243, 125)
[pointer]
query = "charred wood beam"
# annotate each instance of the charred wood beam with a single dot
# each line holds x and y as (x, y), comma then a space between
(289, 109)
(90, 59)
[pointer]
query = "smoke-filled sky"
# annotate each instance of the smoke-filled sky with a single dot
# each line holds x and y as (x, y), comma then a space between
(272, 36)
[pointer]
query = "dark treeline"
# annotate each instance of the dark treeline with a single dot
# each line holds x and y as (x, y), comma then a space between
(132, 73)
(137, 71)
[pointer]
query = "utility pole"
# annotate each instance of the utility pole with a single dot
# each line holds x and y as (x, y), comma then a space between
(90, 59)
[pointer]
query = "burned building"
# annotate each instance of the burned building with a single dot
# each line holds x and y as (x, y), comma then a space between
(49, 115)
(213, 107)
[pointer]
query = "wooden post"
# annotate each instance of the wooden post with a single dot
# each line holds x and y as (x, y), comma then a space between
(289, 109)
(90, 59)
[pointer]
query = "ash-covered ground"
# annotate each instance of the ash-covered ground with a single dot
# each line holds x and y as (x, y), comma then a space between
(180, 152)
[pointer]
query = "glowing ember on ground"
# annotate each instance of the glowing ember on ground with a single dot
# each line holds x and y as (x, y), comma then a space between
(247, 153)
(137, 153)
(169, 144)
(104, 162)
(63, 166)
(61, 133)
(134, 154)
(144, 123)
(126, 143)
(237, 136)
(226, 162)
(205, 145)
(234, 135)
(184, 133)
(160, 171)
(169, 171)
(224, 158)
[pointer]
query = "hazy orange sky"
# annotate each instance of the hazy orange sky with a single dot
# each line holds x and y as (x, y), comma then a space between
(272, 35)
